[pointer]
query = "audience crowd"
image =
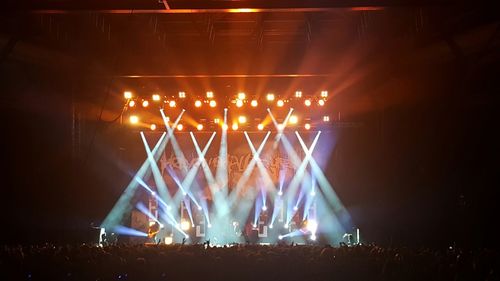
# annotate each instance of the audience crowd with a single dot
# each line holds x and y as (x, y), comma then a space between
(244, 262)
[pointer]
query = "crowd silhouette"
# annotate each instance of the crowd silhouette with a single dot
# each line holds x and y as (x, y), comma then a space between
(244, 262)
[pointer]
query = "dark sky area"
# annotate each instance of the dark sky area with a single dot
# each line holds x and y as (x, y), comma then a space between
(421, 84)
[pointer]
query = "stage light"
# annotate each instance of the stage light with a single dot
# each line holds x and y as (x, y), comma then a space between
(145, 103)
(313, 237)
(210, 95)
(234, 126)
(307, 102)
(295, 208)
(156, 97)
(285, 225)
(199, 127)
(209, 225)
(134, 119)
(298, 94)
(281, 127)
(254, 103)
(199, 208)
(307, 126)
(326, 118)
(321, 102)
(260, 127)
(293, 119)
(241, 96)
(271, 226)
(216, 120)
(280, 237)
(153, 127)
(280, 193)
(131, 103)
(169, 240)
(185, 225)
(254, 225)
(239, 103)
(242, 119)
(127, 94)
(324, 94)
(270, 97)
(193, 225)
(182, 95)
(172, 103)
(280, 103)
(180, 127)
(312, 226)
(313, 193)
(225, 127)
(162, 225)
(213, 103)
(264, 208)
(197, 103)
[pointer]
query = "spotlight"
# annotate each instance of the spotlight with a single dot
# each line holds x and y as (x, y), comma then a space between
(326, 118)
(307, 126)
(199, 127)
(239, 103)
(298, 94)
(280, 237)
(199, 208)
(225, 127)
(210, 94)
(131, 103)
(254, 103)
(281, 127)
(127, 94)
(307, 102)
(295, 208)
(270, 97)
(169, 240)
(216, 120)
(197, 103)
(162, 225)
(171, 103)
(280, 193)
(180, 127)
(260, 127)
(193, 225)
(209, 225)
(185, 225)
(280, 103)
(313, 193)
(271, 226)
(242, 119)
(145, 103)
(313, 237)
(285, 225)
(156, 97)
(241, 96)
(153, 127)
(264, 208)
(324, 94)
(312, 226)
(321, 102)
(293, 119)
(234, 127)
(254, 225)
(213, 103)
(134, 119)
(182, 95)
(186, 236)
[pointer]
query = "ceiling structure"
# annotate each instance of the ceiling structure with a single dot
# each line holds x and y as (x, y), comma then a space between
(253, 46)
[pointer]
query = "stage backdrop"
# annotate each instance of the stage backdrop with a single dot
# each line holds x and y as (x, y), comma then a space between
(277, 158)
